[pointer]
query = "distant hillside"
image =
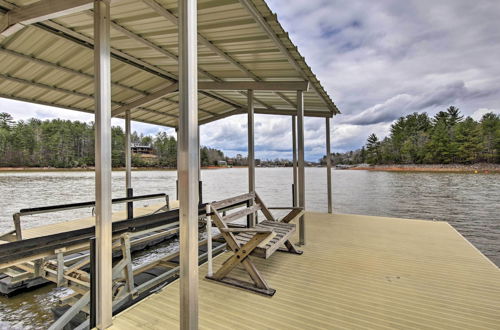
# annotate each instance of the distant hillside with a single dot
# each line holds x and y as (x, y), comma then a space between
(70, 144)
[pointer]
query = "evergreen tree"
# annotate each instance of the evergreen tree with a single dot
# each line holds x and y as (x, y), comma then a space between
(373, 149)
(446, 138)
(63, 143)
(468, 140)
(490, 132)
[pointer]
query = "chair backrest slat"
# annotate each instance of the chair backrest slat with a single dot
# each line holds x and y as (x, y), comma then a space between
(241, 213)
(232, 201)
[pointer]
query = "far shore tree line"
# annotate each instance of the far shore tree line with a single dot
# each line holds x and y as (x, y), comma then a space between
(446, 138)
(70, 144)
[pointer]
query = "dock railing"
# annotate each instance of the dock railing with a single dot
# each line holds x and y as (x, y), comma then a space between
(72, 206)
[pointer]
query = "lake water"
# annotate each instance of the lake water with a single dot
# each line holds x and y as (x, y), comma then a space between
(469, 202)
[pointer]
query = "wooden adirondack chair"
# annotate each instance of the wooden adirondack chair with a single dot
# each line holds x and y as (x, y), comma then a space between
(260, 241)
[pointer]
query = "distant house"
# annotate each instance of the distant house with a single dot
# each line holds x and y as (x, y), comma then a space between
(221, 163)
(142, 149)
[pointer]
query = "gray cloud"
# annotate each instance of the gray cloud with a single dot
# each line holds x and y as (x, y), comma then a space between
(384, 59)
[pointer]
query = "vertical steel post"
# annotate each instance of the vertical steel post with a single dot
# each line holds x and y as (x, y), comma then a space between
(251, 152)
(128, 166)
(128, 152)
(177, 163)
(188, 163)
(301, 170)
(328, 165)
(294, 160)
(200, 183)
(102, 76)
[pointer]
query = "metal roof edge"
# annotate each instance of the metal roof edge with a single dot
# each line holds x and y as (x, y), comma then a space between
(254, 7)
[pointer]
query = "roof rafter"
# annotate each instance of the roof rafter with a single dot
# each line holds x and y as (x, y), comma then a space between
(85, 41)
(17, 18)
(207, 43)
(284, 50)
(69, 93)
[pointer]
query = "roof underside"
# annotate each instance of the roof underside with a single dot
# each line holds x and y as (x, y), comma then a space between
(51, 62)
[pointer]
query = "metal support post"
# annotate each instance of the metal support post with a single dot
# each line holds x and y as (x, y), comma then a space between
(200, 183)
(93, 284)
(301, 164)
(102, 76)
(251, 152)
(128, 166)
(294, 160)
(128, 152)
(209, 240)
(328, 166)
(130, 205)
(188, 163)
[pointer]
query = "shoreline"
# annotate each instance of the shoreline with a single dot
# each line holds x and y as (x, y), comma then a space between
(481, 168)
(444, 168)
(91, 169)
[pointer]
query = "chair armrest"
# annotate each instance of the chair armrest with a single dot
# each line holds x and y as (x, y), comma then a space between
(245, 230)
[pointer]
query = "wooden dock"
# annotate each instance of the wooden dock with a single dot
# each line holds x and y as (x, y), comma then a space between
(357, 272)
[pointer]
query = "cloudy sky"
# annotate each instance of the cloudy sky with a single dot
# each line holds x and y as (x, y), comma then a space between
(378, 60)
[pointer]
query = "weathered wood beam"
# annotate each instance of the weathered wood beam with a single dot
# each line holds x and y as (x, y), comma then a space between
(17, 18)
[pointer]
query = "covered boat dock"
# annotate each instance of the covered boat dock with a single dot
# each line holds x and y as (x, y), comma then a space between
(185, 63)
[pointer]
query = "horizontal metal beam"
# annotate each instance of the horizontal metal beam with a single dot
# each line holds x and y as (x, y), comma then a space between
(255, 85)
(146, 99)
(228, 86)
(17, 18)
(288, 112)
(230, 113)
(263, 111)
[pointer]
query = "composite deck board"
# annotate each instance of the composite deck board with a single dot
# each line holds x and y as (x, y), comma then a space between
(357, 272)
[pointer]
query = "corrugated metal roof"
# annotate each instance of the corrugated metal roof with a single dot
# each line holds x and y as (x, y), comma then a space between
(357, 272)
(51, 62)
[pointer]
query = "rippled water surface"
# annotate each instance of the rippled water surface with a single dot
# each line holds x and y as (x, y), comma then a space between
(470, 202)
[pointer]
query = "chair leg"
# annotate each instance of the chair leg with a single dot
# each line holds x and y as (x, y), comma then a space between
(290, 248)
(241, 256)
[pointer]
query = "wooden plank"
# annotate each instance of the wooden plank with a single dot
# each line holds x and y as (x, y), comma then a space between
(294, 214)
(269, 216)
(231, 201)
(241, 213)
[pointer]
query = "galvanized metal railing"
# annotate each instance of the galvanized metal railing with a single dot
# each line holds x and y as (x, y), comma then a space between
(71, 206)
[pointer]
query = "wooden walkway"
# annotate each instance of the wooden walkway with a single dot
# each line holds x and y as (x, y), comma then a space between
(357, 272)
